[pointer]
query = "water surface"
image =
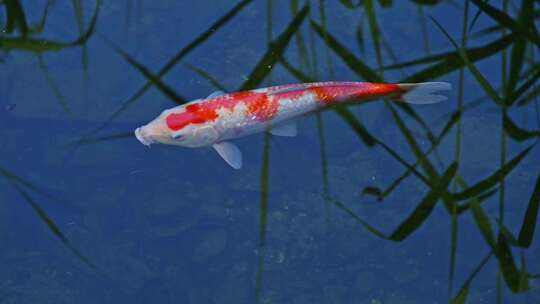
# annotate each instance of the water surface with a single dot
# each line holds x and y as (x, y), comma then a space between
(349, 211)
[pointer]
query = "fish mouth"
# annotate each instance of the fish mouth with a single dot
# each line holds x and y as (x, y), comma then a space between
(141, 138)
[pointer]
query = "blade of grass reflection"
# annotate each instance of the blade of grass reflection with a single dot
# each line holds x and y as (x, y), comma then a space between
(263, 213)
(324, 25)
(53, 227)
(531, 96)
(513, 277)
(54, 86)
(474, 19)
(275, 51)
(527, 84)
(78, 11)
(265, 172)
(452, 58)
(381, 195)
(374, 29)
(357, 127)
(154, 79)
(349, 58)
(417, 217)
(88, 141)
(509, 236)
(360, 40)
(173, 61)
(422, 159)
(484, 83)
(461, 297)
(21, 181)
(503, 19)
(15, 17)
(528, 226)
(500, 248)
(483, 223)
(517, 133)
(495, 29)
(313, 48)
(525, 17)
(457, 156)
(424, 209)
(206, 76)
(423, 27)
(453, 61)
(474, 200)
(40, 26)
(300, 43)
(43, 45)
(492, 180)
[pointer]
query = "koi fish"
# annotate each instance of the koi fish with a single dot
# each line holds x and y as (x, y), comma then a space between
(220, 117)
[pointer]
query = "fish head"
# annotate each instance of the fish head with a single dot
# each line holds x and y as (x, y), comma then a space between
(178, 127)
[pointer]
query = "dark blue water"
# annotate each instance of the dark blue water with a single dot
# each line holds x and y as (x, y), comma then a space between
(113, 221)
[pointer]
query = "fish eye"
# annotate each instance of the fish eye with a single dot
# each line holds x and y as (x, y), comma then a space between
(177, 136)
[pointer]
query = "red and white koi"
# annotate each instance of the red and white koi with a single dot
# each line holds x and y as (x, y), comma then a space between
(221, 117)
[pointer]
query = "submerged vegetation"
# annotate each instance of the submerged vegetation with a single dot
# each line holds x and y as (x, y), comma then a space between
(508, 36)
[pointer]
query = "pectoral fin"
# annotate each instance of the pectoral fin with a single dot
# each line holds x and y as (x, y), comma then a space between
(289, 130)
(230, 153)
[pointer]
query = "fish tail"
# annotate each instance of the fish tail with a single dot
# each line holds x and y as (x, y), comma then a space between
(424, 92)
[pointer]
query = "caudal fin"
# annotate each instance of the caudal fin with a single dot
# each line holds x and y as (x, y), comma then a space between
(423, 93)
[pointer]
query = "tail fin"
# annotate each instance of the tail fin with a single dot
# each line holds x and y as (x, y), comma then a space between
(422, 93)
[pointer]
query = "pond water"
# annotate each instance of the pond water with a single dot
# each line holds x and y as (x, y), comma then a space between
(349, 211)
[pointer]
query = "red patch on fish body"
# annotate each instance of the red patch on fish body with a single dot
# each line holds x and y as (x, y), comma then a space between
(205, 111)
(262, 107)
(331, 94)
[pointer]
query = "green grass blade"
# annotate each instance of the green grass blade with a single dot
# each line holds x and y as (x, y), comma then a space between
(419, 215)
(213, 81)
(492, 180)
(371, 229)
(374, 29)
(484, 225)
(424, 209)
(44, 45)
(53, 227)
(154, 79)
(476, 73)
(23, 182)
(503, 19)
(512, 276)
(528, 226)
(381, 195)
(94, 140)
(463, 293)
(356, 126)
(453, 60)
(40, 26)
(275, 51)
(349, 58)
(516, 132)
(15, 17)
(475, 200)
(54, 86)
(526, 85)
